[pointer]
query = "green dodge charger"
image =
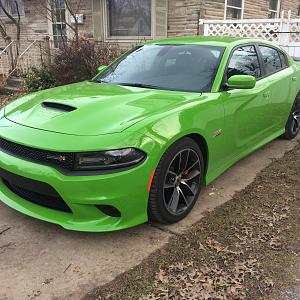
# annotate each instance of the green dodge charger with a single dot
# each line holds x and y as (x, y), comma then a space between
(138, 141)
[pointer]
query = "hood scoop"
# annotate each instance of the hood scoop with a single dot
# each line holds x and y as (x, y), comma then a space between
(58, 106)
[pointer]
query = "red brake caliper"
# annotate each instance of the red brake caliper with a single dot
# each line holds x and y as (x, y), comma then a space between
(185, 174)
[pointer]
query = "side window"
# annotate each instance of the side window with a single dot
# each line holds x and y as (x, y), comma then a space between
(244, 61)
(271, 59)
(284, 62)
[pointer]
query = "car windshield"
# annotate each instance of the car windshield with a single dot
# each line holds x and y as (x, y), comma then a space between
(190, 68)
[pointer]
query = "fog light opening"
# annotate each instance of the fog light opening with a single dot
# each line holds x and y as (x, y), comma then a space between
(109, 210)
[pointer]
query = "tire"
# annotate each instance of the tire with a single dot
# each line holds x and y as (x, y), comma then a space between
(292, 126)
(185, 186)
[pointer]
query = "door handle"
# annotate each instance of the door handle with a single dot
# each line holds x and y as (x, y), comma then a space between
(294, 78)
(266, 94)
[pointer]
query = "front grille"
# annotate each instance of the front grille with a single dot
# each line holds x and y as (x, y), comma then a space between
(34, 191)
(59, 160)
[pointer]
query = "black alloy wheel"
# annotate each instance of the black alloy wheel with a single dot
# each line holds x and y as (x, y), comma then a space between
(177, 182)
(292, 127)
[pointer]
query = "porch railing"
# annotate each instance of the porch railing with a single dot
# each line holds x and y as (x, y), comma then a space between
(25, 60)
(17, 60)
(7, 56)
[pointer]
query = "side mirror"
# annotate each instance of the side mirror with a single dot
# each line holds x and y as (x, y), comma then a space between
(101, 68)
(241, 82)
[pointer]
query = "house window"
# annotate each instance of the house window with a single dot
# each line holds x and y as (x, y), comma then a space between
(234, 9)
(12, 7)
(59, 27)
(129, 18)
(274, 8)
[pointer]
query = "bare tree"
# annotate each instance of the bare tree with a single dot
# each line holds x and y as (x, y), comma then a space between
(48, 9)
(16, 21)
(3, 30)
(74, 11)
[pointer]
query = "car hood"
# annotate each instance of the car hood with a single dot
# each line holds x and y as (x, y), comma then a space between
(90, 108)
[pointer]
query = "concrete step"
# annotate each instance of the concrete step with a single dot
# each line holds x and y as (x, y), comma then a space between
(11, 89)
(13, 85)
(15, 82)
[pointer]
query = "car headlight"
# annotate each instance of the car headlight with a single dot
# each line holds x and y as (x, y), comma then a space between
(106, 160)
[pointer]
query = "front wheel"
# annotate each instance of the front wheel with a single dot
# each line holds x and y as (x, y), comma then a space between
(177, 182)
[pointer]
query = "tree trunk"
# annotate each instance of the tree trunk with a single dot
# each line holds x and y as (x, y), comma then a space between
(10, 54)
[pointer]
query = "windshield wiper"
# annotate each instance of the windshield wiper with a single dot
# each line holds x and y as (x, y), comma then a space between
(141, 85)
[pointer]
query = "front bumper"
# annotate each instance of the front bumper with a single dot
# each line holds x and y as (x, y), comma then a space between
(126, 191)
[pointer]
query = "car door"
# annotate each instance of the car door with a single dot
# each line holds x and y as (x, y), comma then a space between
(245, 110)
(282, 85)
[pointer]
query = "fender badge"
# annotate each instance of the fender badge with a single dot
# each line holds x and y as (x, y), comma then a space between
(217, 133)
(60, 158)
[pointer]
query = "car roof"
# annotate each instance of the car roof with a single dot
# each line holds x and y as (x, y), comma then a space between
(224, 41)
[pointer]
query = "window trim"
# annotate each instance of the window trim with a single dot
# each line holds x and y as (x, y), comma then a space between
(276, 49)
(51, 23)
(285, 58)
(109, 38)
(277, 11)
(242, 9)
(223, 86)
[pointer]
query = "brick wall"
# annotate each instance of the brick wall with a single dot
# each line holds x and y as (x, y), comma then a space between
(86, 28)
(34, 26)
(214, 9)
(256, 9)
(292, 5)
(182, 18)
(182, 15)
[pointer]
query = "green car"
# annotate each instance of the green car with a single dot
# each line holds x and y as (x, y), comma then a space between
(138, 141)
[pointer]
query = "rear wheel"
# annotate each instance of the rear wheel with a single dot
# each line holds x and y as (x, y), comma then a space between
(292, 127)
(177, 182)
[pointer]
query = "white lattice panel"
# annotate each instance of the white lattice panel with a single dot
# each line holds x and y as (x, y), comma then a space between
(268, 31)
(284, 31)
(294, 36)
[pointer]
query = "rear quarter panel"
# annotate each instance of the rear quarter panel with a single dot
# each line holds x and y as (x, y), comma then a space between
(295, 65)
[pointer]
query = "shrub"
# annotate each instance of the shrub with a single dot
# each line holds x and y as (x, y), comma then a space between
(38, 79)
(73, 62)
(76, 62)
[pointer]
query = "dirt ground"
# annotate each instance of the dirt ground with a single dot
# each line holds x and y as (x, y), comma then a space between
(248, 248)
(5, 100)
